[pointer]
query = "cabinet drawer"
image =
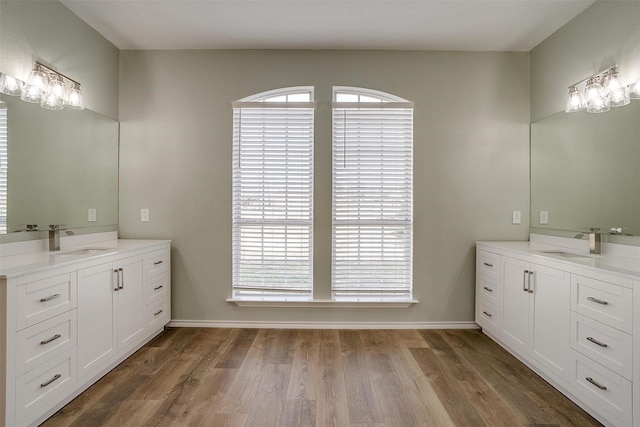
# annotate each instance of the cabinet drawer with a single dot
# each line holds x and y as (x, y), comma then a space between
(43, 299)
(606, 392)
(157, 262)
(488, 265)
(39, 343)
(608, 346)
(490, 291)
(487, 316)
(157, 287)
(40, 388)
(158, 314)
(602, 301)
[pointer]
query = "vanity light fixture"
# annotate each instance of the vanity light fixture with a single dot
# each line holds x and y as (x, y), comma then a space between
(46, 87)
(602, 91)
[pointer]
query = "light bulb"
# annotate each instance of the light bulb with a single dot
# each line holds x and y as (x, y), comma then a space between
(34, 88)
(634, 90)
(54, 97)
(10, 85)
(594, 98)
(616, 94)
(574, 101)
(73, 98)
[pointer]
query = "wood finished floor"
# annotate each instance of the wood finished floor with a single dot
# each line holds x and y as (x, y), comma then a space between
(272, 377)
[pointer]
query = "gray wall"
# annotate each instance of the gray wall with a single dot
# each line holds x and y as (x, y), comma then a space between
(605, 34)
(46, 31)
(471, 165)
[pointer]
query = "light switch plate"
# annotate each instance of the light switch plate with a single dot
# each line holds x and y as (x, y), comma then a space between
(544, 217)
(91, 215)
(516, 217)
(144, 215)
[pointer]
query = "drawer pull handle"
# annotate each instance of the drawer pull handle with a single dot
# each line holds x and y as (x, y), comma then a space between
(595, 341)
(488, 289)
(53, 338)
(50, 298)
(157, 263)
(595, 383)
(158, 312)
(487, 314)
(55, 377)
(597, 301)
(158, 287)
(488, 264)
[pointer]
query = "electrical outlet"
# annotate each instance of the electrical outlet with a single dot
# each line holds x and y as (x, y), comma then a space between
(144, 215)
(544, 217)
(516, 217)
(91, 215)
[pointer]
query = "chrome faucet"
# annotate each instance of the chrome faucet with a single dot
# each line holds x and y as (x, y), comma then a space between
(54, 237)
(595, 241)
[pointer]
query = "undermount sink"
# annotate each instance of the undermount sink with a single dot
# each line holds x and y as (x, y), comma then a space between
(85, 251)
(564, 254)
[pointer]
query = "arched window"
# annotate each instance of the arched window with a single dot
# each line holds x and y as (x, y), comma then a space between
(372, 231)
(273, 195)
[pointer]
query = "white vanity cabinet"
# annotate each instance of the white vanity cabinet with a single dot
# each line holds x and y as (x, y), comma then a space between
(67, 320)
(110, 311)
(573, 323)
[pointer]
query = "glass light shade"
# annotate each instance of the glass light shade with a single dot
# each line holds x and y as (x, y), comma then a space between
(35, 87)
(616, 94)
(73, 99)
(10, 85)
(574, 100)
(54, 98)
(634, 90)
(594, 98)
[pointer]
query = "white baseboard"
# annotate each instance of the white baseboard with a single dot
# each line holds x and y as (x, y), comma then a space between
(320, 325)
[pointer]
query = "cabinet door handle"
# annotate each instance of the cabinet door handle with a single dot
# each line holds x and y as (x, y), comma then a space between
(595, 341)
(487, 314)
(157, 262)
(158, 287)
(53, 338)
(524, 280)
(46, 383)
(49, 298)
(595, 383)
(488, 289)
(117, 288)
(488, 264)
(158, 312)
(598, 301)
(529, 283)
(121, 278)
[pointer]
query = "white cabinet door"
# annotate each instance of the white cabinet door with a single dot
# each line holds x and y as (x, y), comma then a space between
(129, 301)
(515, 303)
(551, 320)
(96, 322)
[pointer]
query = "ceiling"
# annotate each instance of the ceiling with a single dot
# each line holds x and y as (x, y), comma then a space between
(470, 25)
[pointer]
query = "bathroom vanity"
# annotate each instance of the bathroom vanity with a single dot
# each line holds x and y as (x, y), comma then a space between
(70, 316)
(572, 317)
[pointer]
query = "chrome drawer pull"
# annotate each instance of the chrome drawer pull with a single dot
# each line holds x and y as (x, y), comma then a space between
(592, 381)
(487, 264)
(488, 289)
(55, 377)
(159, 287)
(595, 341)
(158, 312)
(50, 298)
(597, 301)
(157, 263)
(488, 314)
(53, 338)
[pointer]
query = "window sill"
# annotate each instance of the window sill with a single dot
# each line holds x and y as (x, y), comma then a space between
(324, 303)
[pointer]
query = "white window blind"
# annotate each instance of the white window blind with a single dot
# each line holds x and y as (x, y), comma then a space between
(272, 200)
(372, 245)
(4, 163)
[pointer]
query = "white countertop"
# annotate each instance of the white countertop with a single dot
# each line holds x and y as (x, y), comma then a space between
(27, 263)
(627, 266)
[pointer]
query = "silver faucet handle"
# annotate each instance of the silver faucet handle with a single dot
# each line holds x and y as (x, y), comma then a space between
(56, 227)
(594, 230)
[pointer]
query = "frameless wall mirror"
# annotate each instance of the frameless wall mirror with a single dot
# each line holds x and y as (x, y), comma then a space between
(61, 167)
(585, 172)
